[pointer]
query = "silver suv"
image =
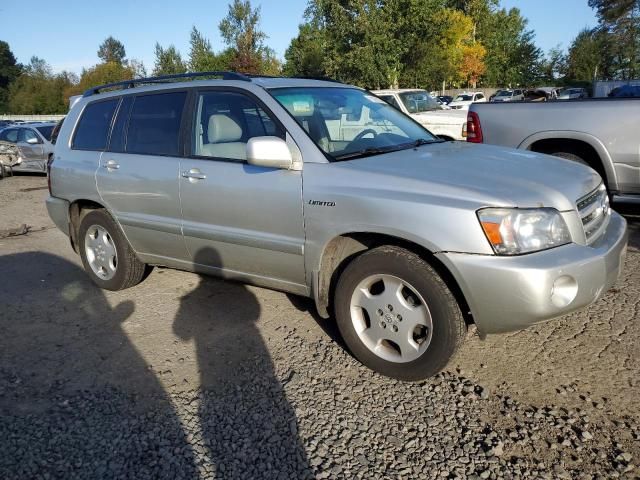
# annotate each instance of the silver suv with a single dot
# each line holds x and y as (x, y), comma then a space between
(322, 189)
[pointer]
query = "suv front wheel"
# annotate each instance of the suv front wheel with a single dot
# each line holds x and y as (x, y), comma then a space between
(106, 255)
(397, 315)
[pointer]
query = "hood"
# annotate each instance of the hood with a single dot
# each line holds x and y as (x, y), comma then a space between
(480, 175)
(441, 117)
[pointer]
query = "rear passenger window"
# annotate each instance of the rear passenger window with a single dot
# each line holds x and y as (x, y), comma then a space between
(154, 124)
(117, 142)
(93, 127)
(225, 121)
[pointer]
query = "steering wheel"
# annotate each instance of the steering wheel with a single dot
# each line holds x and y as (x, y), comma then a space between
(361, 135)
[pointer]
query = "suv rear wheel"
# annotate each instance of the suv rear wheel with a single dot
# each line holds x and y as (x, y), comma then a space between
(106, 255)
(396, 314)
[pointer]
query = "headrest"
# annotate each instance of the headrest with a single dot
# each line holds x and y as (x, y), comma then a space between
(223, 128)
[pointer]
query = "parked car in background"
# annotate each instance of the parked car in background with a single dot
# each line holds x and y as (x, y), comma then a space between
(626, 91)
(404, 238)
(34, 145)
(572, 93)
(463, 100)
(541, 94)
(600, 133)
(516, 95)
(423, 108)
(445, 99)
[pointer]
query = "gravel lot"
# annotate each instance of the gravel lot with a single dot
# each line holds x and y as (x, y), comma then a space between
(190, 377)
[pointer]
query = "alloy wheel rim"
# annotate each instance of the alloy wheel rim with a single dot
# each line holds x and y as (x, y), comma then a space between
(391, 318)
(101, 252)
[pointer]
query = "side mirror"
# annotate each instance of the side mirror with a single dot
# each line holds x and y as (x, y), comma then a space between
(32, 141)
(271, 152)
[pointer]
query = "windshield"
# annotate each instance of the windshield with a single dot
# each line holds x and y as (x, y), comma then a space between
(349, 123)
(417, 102)
(463, 98)
(46, 131)
(503, 93)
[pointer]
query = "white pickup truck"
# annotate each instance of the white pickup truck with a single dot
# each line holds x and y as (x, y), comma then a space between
(423, 108)
(599, 132)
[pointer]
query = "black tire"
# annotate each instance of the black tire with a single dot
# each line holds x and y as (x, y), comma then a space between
(129, 270)
(570, 156)
(448, 326)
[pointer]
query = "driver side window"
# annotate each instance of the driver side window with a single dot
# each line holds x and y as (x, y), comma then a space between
(224, 123)
(27, 134)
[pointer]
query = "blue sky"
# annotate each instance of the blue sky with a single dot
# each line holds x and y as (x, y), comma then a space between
(67, 34)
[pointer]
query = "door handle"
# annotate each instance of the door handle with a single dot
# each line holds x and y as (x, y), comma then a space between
(111, 165)
(193, 174)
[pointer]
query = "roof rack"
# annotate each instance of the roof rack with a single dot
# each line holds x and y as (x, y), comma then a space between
(324, 79)
(165, 79)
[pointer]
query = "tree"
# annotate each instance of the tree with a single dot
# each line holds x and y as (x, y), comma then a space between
(457, 30)
(472, 65)
(587, 57)
(112, 50)
(554, 67)
(138, 68)
(37, 91)
(361, 42)
(611, 11)
(512, 56)
(480, 12)
(620, 23)
(305, 55)
(9, 71)
(101, 74)
(201, 56)
(270, 65)
(168, 61)
(240, 30)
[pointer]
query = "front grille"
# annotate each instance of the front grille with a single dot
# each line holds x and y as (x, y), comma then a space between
(594, 211)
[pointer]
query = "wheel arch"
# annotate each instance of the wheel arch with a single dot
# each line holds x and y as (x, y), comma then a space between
(342, 249)
(76, 209)
(578, 143)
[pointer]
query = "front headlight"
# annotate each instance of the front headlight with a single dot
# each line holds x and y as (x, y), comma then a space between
(513, 231)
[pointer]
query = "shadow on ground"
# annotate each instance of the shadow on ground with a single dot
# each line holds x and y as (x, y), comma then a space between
(78, 399)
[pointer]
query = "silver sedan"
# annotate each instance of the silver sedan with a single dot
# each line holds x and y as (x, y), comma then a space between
(34, 144)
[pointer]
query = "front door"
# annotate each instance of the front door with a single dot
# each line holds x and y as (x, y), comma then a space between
(32, 148)
(240, 220)
(138, 175)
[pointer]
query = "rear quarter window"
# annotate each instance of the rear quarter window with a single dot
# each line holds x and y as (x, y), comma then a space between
(93, 126)
(154, 124)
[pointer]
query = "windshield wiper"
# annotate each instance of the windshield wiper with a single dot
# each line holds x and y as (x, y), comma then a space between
(367, 152)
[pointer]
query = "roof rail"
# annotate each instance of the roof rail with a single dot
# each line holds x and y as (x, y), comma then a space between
(324, 79)
(165, 79)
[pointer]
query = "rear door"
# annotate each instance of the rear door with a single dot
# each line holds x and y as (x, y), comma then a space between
(240, 220)
(138, 173)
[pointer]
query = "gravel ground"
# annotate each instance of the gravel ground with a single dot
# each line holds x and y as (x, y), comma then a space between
(191, 377)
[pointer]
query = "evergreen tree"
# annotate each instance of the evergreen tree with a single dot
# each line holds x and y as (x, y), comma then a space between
(112, 50)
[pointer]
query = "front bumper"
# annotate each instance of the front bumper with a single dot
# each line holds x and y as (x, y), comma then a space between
(510, 293)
